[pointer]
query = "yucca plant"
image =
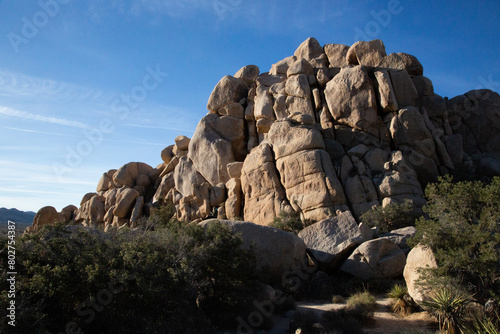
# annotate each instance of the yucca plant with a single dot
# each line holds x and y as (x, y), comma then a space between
(448, 304)
(486, 326)
(401, 301)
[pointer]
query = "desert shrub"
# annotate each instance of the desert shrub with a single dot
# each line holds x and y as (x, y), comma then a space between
(401, 301)
(391, 217)
(338, 299)
(288, 221)
(345, 284)
(463, 230)
(419, 331)
(171, 280)
(448, 304)
(162, 215)
(361, 306)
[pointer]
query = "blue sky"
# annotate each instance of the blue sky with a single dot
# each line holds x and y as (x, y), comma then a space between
(67, 67)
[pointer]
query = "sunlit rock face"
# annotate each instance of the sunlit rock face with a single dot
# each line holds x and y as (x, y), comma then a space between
(329, 129)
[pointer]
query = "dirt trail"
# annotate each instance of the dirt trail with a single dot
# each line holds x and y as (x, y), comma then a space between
(384, 321)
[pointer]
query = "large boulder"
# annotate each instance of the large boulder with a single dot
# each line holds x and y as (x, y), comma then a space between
(217, 141)
(288, 138)
(47, 215)
(476, 117)
(68, 213)
(309, 49)
(402, 61)
(378, 258)
(356, 179)
(167, 154)
(276, 251)
(95, 210)
(248, 74)
(228, 90)
(386, 92)
(234, 198)
(187, 177)
(400, 236)
(167, 183)
(305, 169)
(87, 197)
(298, 85)
(350, 96)
(106, 181)
(419, 258)
(410, 134)
(336, 54)
(366, 53)
(399, 182)
(126, 175)
(332, 240)
(137, 211)
(264, 196)
(282, 66)
(405, 90)
(125, 202)
(182, 143)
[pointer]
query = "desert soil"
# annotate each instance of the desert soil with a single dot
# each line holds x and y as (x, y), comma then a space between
(385, 321)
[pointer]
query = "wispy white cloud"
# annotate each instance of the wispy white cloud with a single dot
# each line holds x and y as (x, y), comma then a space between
(41, 132)
(27, 148)
(40, 118)
(158, 127)
(10, 190)
(48, 180)
(21, 85)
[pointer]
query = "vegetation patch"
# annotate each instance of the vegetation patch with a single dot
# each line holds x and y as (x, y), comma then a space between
(391, 217)
(175, 279)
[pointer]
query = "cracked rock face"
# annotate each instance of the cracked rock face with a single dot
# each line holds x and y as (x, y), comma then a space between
(329, 129)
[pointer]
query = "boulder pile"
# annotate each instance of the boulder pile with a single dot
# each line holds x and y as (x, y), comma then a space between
(328, 130)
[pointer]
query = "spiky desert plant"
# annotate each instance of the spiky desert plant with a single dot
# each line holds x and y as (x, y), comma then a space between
(401, 300)
(485, 326)
(448, 304)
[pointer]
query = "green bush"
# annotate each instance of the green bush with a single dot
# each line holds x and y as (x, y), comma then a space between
(391, 217)
(289, 222)
(361, 306)
(162, 215)
(463, 229)
(171, 280)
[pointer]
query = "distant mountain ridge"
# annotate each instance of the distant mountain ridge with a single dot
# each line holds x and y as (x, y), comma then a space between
(24, 217)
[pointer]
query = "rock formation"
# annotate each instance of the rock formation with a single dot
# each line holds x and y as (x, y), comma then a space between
(327, 130)
(419, 258)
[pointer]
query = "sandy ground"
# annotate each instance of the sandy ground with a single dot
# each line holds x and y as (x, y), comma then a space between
(385, 321)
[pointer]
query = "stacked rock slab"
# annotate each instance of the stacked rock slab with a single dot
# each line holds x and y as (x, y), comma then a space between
(121, 198)
(329, 129)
